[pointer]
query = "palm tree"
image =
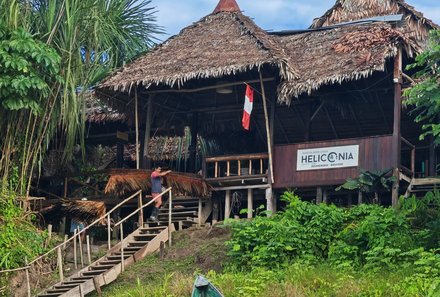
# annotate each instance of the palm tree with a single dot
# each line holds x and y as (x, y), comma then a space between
(92, 37)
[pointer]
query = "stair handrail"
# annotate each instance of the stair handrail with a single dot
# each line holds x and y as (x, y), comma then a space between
(169, 191)
(142, 207)
(87, 227)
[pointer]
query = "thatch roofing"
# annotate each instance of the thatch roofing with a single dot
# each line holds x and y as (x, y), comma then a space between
(222, 43)
(337, 55)
(99, 112)
(416, 25)
(82, 211)
(124, 181)
(227, 43)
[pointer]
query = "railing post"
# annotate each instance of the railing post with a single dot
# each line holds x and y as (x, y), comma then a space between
(80, 248)
(141, 212)
(122, 248)
(108, 232)
(28, 284)
(170, 197)
(89, 258)
(199, 214)
(216, 169)
(239, 167)
(75, 260)
(228, 168)
(60, 263)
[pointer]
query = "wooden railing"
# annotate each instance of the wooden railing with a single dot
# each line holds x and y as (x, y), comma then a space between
(237, 165)
(77, 237)
(408, 145)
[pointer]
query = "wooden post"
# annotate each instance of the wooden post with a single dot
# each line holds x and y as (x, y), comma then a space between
(49, 235)
(227, 204)
(216, 170)
(60, 263)
(239, 167)
(81, 293)
(162, 250)
(97, 286)
(170, 198)
(80, 248)
(141, 212)
(199, 214)
(28, 283)
(360, 198)
(324, 197)
(318, 195)
(413, 160)
(193, 146)
(146, 162)
(136, 119)
(75, 260)
(269, 201)
(269, 141)
(250, 204)
(89, 258)
(396, 124)
(250, 167)
(65, 239)
(215, 210)
(109, 234)
(228, 168)
(122, 249)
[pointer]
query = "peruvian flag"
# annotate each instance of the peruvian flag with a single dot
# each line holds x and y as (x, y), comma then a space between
(248, 104)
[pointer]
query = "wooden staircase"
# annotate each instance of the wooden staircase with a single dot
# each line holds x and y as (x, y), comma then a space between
(420, 186)
(136, 246)
(186, 211)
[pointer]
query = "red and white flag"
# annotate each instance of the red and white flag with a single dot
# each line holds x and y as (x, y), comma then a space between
(248, 104)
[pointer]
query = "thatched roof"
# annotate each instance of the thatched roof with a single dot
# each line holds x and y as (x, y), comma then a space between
(337, 55)
(99, 112)
(82, 211)
(225, 42)
(416, 25)
(125, 181)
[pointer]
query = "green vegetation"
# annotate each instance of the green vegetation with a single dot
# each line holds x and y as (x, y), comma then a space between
(307, 250)
(51, 53)
(424, 96)
(370, 183)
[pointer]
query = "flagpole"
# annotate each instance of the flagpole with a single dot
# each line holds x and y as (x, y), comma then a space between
(269, 142)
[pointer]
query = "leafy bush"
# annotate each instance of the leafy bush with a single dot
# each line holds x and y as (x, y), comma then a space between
(19, 238)
(368, 238)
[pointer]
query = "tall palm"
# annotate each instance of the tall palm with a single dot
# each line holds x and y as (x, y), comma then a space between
(92, 37)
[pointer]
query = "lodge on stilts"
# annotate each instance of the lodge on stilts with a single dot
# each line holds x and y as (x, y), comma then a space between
(327, 104)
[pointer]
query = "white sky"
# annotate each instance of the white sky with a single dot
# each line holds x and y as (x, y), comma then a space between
(174, 15)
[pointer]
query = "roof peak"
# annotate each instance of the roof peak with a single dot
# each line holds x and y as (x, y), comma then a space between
(227, 5)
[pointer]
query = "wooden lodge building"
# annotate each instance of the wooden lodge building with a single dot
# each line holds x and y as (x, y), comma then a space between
(327, 101)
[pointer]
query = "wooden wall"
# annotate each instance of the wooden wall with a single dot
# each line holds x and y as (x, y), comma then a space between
(375, 153)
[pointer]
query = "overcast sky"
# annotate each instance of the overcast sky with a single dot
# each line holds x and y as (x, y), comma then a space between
(174, 15)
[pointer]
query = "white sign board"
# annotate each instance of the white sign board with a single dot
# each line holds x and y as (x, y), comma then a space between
(328, 158)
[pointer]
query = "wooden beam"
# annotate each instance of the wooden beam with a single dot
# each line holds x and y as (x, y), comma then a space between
(146, 162)
(136, 119)
(269, 141)
(243, 187)
(396, 124)
(213, 87)
(227, 204)
(250, 203)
